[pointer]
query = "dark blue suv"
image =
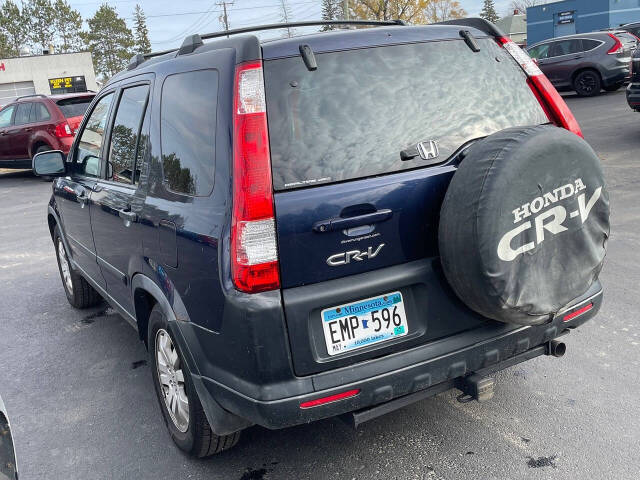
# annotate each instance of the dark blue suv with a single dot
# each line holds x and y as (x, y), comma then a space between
(335, 224)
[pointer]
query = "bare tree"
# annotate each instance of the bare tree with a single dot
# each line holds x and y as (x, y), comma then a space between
(522, 5)
(441, 10)
(286, 17)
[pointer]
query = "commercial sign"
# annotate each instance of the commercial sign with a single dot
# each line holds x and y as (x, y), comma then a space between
(566, 17)
(67, 85)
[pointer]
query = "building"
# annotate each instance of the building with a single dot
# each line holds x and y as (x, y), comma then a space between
(578, 16)
(515, 27)
(46, 74)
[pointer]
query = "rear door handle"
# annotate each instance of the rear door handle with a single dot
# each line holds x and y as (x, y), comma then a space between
(127, 215)
(339, 223)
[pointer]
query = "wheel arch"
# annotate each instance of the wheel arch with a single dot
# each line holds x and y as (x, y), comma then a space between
(146, 294)
(37, 143)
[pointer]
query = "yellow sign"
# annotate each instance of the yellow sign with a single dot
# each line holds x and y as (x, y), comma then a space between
(63, 82)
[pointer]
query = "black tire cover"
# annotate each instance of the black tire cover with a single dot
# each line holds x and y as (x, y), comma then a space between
(524, 224)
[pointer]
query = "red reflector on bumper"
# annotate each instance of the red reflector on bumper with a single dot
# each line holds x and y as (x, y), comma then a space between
(330, 398)
(577, 313)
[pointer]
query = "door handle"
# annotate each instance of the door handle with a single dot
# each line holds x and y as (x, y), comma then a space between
(127, 215)
(339, 223)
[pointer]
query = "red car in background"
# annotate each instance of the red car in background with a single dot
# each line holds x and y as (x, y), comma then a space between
(37, 123)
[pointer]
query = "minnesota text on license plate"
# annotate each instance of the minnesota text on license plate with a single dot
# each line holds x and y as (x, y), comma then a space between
(356, 325)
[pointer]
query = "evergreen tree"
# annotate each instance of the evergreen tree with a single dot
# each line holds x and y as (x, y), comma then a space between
(4, 46)
(489, 11)
(109, 40)
(13, 29)
(141, 32)
(68, 25)
(331, 10)
(40, 15)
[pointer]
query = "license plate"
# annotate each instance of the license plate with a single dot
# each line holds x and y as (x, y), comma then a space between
(366, 322)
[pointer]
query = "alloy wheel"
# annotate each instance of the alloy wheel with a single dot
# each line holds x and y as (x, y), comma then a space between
(64, 267)
(587, 83)
(171, 378)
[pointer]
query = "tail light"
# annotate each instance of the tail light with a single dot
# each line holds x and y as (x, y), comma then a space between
(330, 399)
(577, 312)
(552, 103)
(254, 255)
(63, 130)
(617, 46)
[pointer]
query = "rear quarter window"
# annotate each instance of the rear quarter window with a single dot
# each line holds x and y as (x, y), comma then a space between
(188, 120)
(353, 116)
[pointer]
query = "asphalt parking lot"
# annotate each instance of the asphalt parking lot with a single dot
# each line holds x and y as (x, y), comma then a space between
(81, 401)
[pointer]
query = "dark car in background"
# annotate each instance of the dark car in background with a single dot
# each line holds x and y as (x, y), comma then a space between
(37, 123)
(586, 63)
(633, 28)
(633, 89)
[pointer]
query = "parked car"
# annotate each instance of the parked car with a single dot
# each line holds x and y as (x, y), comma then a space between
(324, 226)
(37, 123)
(8, 464)
(633, 28)
(633, 89)
(586, 63)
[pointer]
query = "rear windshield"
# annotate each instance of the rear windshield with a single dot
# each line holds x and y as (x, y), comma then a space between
(353, 116)
(628, 40)
(74, 107)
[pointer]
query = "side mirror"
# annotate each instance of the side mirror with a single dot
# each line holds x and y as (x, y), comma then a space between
(49, 164)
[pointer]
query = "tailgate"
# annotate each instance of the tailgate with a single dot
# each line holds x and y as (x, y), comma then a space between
(362, 151)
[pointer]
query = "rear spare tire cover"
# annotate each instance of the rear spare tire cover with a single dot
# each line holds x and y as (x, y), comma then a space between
(524, 224)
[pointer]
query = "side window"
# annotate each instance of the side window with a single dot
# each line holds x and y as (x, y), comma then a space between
(87, 157)
(5, 116)
(22, 114)
(187, 129)
(540, 52)
(564, 47)
(125, 133)
(39, 113)
(589, 44)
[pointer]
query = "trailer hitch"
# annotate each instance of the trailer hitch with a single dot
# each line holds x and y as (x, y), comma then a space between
(475, 387)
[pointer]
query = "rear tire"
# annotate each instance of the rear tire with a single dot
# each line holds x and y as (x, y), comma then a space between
(80, 293)
(188, 426)
(40, 149)
(587, 83)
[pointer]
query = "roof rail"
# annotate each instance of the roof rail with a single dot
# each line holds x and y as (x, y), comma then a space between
(32, 95)
(191, 41)
(136, 60)
(473, 22)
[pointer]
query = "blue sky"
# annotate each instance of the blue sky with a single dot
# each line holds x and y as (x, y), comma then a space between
(170, 21)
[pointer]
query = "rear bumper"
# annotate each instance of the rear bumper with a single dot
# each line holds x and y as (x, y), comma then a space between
(633, 96)
(398, 375)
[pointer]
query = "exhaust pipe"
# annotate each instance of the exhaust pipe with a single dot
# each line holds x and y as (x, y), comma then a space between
(557, 348)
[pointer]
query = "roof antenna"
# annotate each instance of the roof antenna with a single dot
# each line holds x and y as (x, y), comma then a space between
(308, 57)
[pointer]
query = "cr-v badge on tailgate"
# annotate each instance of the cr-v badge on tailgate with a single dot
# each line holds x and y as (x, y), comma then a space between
(345, 257)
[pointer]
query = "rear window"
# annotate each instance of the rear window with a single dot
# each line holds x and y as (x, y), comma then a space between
(628, 40)
(353, 116)
(74, 107)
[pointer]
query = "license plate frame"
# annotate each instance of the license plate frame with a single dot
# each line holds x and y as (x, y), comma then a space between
(347, 323)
